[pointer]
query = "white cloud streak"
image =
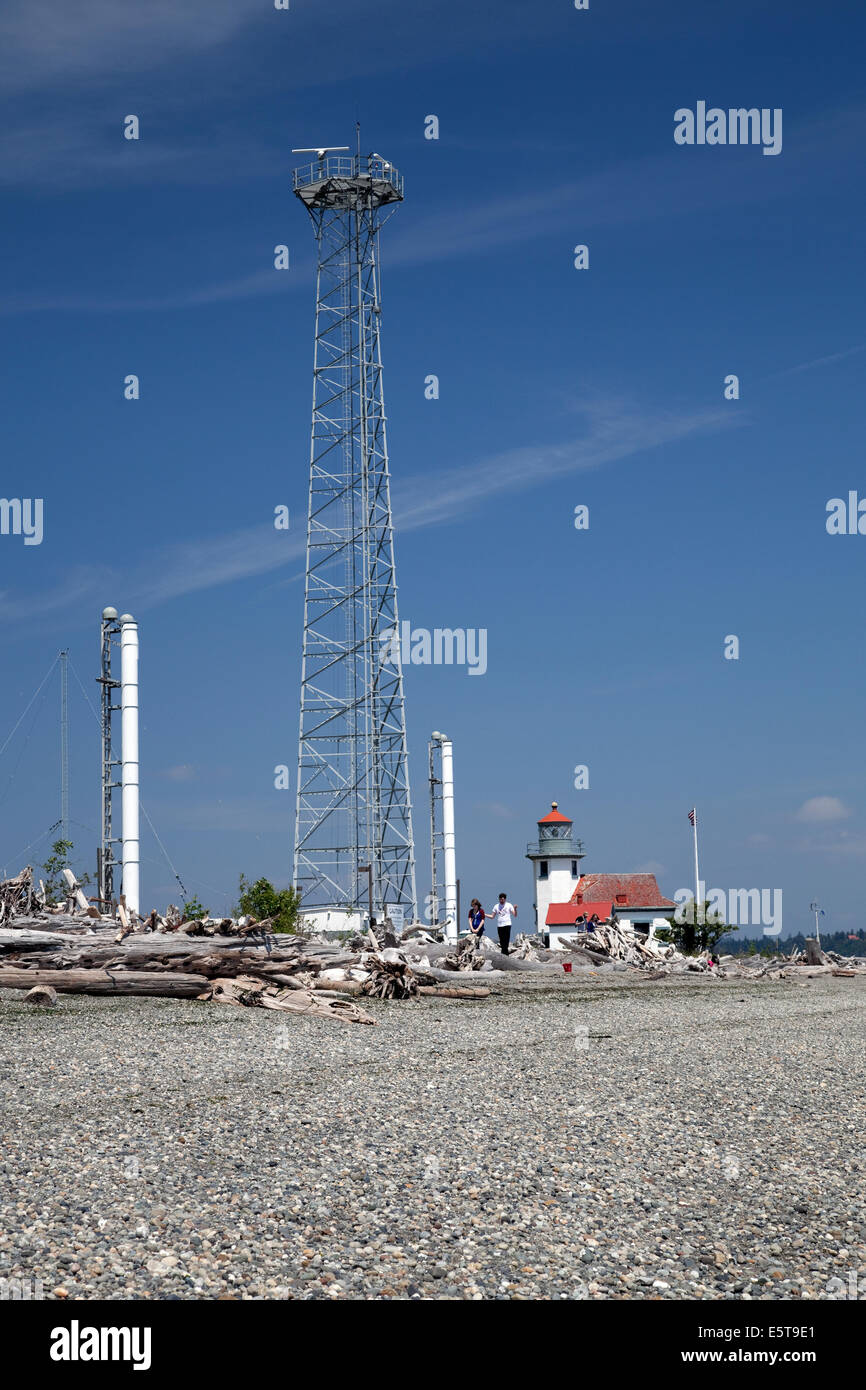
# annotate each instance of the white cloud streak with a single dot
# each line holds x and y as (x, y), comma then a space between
(819, 809)
(47, 44)
(827, 361)
(613, 433)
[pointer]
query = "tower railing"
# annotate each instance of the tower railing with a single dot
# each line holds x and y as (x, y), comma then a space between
(560, 848)
(369, 168)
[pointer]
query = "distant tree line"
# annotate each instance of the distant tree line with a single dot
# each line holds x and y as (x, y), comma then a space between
(843, 943)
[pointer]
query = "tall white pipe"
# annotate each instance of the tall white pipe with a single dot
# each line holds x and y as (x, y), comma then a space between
(129, 759)
(448, 841)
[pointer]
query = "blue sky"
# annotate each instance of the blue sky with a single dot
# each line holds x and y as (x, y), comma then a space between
(558, 387)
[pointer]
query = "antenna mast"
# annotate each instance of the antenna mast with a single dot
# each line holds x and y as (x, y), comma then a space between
(64, 745)
(353, 798)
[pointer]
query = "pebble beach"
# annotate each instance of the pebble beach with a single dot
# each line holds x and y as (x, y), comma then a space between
(583, 1138)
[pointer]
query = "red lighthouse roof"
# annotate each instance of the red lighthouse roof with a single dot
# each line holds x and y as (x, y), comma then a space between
(554, 817)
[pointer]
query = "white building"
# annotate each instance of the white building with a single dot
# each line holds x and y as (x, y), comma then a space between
(566, 899)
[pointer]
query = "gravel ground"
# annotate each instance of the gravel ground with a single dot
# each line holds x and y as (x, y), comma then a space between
(590, 1138)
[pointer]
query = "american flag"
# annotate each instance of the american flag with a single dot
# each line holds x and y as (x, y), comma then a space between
(693, 815)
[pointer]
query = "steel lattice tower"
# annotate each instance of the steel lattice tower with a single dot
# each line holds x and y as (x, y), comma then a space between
(353, 800)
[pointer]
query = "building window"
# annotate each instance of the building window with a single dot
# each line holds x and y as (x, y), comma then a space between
(574, 868)
(542, 868)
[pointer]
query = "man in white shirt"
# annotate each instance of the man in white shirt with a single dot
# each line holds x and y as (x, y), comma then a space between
(502, 912)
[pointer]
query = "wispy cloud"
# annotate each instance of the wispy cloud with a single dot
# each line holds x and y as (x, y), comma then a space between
(820, 809)
(833, 844)
(759, 840)
(80, 585)
(495, 808)
(188, 568)
(646, 188)
(613, 432)
(46, 44)
(241, 815)
(245, 287)
(85, 150)
(183, 772)
(56, 42)
(847, 846)
(636, 191)
(816, 362)
(109, 39)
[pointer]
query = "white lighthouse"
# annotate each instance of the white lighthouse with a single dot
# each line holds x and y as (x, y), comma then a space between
(555, 858)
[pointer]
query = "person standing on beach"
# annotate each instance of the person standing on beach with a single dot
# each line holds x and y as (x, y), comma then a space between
(477, 918)
(503, 913)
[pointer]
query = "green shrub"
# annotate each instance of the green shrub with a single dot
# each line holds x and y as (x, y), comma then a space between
(261, 899)
(193, 911)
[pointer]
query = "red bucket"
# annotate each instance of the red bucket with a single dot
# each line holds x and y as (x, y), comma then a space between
(566, 965)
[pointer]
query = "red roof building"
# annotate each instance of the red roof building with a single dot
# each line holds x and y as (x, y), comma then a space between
(627, 891)
(566, 914)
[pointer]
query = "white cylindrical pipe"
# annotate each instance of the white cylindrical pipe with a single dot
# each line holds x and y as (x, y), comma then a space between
(129, 759)
(448, 841)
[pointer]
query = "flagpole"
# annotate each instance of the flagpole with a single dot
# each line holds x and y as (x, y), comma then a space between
(698, 906)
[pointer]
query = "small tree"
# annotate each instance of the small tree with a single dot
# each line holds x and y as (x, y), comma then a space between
(693, 937)
(56, 887)
(261, 899)
(193, 910)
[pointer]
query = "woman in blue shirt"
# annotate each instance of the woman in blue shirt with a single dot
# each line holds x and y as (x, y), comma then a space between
(477, 917)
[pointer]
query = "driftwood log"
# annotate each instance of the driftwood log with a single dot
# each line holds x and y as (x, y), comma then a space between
(11, 940)
(42, 996)
(221, 960)
(256, 993)
(444, 992)
(814, 954)
(172, 983)
(18, 897)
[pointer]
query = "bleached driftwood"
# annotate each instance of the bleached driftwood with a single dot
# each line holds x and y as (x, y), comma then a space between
(169, 983)
(246, 990)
